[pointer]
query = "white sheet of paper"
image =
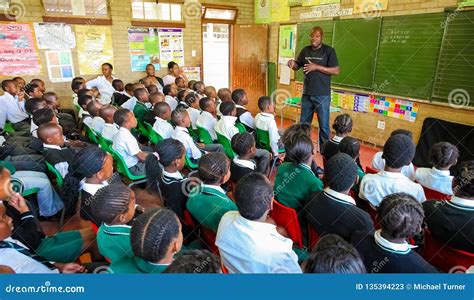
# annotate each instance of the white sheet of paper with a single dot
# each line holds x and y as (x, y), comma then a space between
(285, 74)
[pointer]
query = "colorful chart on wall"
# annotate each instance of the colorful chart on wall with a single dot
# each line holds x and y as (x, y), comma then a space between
(262, 11)
(54, 36)
(94, 47)
(365, 6)
(193, 73)
(60, 65)
(350, 101)
(319, 2)
(18, 53)
(395, 108)
(287, 41)
(143, 44)
(171, 46)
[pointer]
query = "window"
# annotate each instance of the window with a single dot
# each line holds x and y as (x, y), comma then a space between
(96, 8)
(156, 11)
(215, 13)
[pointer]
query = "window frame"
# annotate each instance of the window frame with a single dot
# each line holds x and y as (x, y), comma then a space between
(222, 7)
(159, 23)
(78, 20)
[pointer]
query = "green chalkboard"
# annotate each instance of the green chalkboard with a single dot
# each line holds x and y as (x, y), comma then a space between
(304, 38)
(355, 42)
(454, 81)
(408, 54)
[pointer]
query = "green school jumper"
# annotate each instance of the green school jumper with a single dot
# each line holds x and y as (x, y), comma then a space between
(114, 242)
(135, 265)
(208, 206)
(140, 110)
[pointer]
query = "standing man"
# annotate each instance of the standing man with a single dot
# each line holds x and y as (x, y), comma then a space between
(319, 62)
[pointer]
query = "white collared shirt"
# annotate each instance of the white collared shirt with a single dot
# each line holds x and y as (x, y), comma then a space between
(339, 196)
(130, 103)
(226, 127)
(92, 188)
(11, 109)
(378, 163)
(266, 121)
(374, 187)
(215, 187)
(246, 118)
(33, 128)
(127, 146)
(97, 124)
(104, 86)
(176, 175)
(254, 247)
(75, 99)
(437, 180)
(62, 167)
(109, 130)
(182, 134)
(169, 79)
(401, 248)
(86, 119)
(163, 128)
(172, 102)
(207, 121)
(244, 163)
(337, 139)
(193, 115)
(462, 202)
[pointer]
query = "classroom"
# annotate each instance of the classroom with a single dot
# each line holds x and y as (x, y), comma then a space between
(246, 136)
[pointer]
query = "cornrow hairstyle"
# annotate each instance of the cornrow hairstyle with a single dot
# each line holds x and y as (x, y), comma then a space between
(110, 201)
(121, 116)
(227, 107)
(263, 102)
(242, 143)
(168, 151)
(398, 151)
(340, 172)
(400, 216)
(152, 233)
(204, 103)
(464, 180)
(86, 163)
(443, 155)
(191, 98)
(237, 95)
(402, 131)
(213, 167)
(30, 88)
(350, 146)
(299, 149)
(167, 89)
(33, 104)
(333, 254)
(253, 196)
(182, 95)
(294, 131)
(342, 124)
(43, 116)
(116, 83)
(195, 262)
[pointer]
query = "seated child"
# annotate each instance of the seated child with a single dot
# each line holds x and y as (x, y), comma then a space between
(83, 99)
(129, 90)
(180, 83)
(33, 90)
(162, 125)
(110, 128)
(42, 116)
(11, 108)
(400, 217)
(199, 87)
(97, 123)
(334, 255)
(181, 120)
(208, 202)
(224, 94)
(452, 222)
(442, 156)
(125, 143)
(67, 120)
(333, 211)
(226, 125)
(211, 92)
(239, 96)
(265, 120)
(378, 161)
(343, 127)
(143, 105)
(171, 92)
(154, 98)
(152, 88)
(244, 162)
(398, 152)
(191, 85)
(156, 237)
(32, 105)
(247, 241)
(351, 147)
(208, 118)
(54, 151)
(186, 263)
(192, 102)
(119, 97)
(39, 83)
(20, 82)
(181, 98)
(77, 83)
(113, 207)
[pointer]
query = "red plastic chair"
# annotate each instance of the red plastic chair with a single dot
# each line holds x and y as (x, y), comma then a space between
(313, 237)
(370, 170)
(435, 195)
(94, 228)
(373, 214)
(209, 238)
(288, 218)
(188, 220)
(445, 257)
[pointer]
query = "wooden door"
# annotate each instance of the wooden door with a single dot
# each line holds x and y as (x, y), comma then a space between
(249, 57)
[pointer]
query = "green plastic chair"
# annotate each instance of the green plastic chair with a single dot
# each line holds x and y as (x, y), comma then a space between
(91, 134)
(57, 175)
(8, 127)
(189, 164)
(122, 168)
(193, 133)
(204, 136)
(104, 143)
(30, 192)
(152, 134)
(78, 108)
(142, 129)
(227, 145)
(263, 141)
(241, 127)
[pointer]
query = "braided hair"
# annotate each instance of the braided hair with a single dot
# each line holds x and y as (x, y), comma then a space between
(443, 155)
(153, 232)
(294, 131)
(86, 163)
(195, 261)
(464, 180)
(213, 167)
(342, 124)
(242, 143)
(400, 216)
(299, 149)
(109, 202)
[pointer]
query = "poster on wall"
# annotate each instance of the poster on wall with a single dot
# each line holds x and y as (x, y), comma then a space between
(287, 41)
(171, 46)
(94, 47)
(262, 11)
(60, 65)
(364, 6)
(54, 36)
(18, 53)
(143, 44)
(193, 73)
(280, 11)
(319, 2)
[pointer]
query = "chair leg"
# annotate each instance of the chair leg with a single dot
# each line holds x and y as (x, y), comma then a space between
(274, 161)
(137, 182)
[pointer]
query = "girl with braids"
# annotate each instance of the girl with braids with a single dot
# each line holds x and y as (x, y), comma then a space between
(164, 178)
(156, 237)
(90, 170)
(113, 206)
(351, 147)
(387, 250)
(208, 202)
(343, 127)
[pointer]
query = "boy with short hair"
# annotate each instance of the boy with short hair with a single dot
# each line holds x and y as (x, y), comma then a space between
(97, 123)
(171, 92)
(239, 96)
(54, 151)
(161, 125)
(180, 83)
(265, 120)
(77, 83)
(119, 97)
(13, 108)
(40, 84)
(66, 120)
(208, 118)
(154, 98)
(199, 87)
(110, 128)
(226, 125)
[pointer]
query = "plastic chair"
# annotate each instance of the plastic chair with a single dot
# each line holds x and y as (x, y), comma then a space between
(188, 219)
(8, 127)
(288, 218)
(313, 237)
(435, 195)
(142, 129)
(193, 133)
(241, 127)
(104, 143)
(30, 192)
(370, 170)
(224, 141)
(263, 141)
(154, 137)
(91, 134)
(444, 257)
(209, 238)
(94, 228)
(204, 136)
(57, 175)
(122, 168)
(188, 163)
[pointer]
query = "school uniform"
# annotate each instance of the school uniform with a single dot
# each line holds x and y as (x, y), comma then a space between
(140, 110)
(382, 256)
(226, 127)
(113, 242)
(182, 134)
(331, 212)
(97, 124)
(452, 222)
(169, 79)
(172, 102)
(13, 110)
(163, 128)
(130, 103)
(109, 130)
(104, 87)
(171, 190)
(374, 187)
(137, 265)
(240, 167)
(59, 157)
(331, 147)
(208, 205)
(87, 119)
(266, 121)
(119, 98)
(207, 121)
(160, 84)
(193, 115)
(438, 180)
(247, 246)
(33, 128)
(67, 122)
(378, 163)
(149, 116)
(127, 146)
(86, 192)
(245, 117)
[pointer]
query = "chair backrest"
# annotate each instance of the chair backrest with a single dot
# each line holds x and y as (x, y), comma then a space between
(288, 218)
(370, 170)
(91, 134)
(241, 127)
(122, 167)
(204, 135)
(313, 237)
(152, 134)
(94, 228)
(104, 143)
(8, 127)
(188, 220)
(445, 257)
(435, 195)
(142, 129)
(224, 141)
(209, 238)
(263, 139)
(57, 175)
(193, 133)
(188, 163)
